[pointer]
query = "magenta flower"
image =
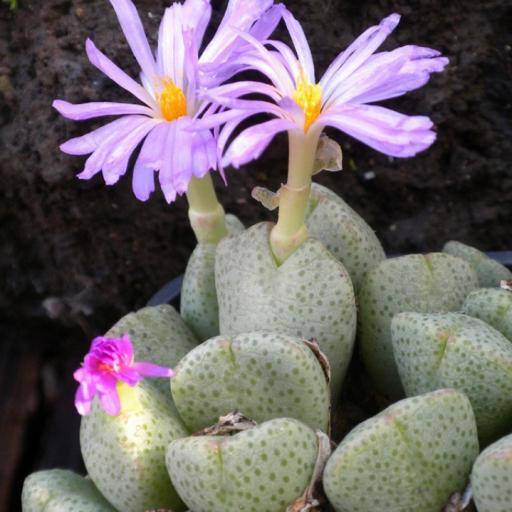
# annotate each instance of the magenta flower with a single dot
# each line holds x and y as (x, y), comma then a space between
(169, 92)
(108, 362)
(342, 98)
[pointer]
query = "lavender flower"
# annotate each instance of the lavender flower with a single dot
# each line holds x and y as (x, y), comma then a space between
(342, 98)
(109, 362)
(168, 92)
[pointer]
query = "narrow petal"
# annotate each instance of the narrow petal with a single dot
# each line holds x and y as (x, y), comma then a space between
(267, 23)
(243, 87)
(91, 141)
(109, 145)
(357, 53)
(382, 129)
(240, 16)
(82, 111)
(129, 142)
(165, 174)
(152, 370)
(143, 181)
(251, 143)
(134, 32)
(109, 400)
(82, 403)
(105, 65)
(197, 14)
(301, 45)
(171, 48)
(388, 74)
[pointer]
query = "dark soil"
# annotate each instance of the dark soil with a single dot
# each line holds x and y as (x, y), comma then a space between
(74, 255)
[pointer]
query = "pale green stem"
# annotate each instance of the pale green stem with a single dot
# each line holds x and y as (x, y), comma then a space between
(206, 214)
(290, 232)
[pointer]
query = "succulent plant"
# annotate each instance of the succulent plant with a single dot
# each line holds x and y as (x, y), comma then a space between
(310, 295)
(125, 454)
(262, 375)
(412, 456)
(344, 232)
(432, 283)
(452, 350)
(491, 477)
(59, 490)
(198, 301)
(489, 271)
(493, 306)
(158, 334)
(263, 469)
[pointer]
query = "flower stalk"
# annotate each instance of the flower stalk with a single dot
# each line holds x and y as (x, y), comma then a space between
(205, 213)
(290, 232)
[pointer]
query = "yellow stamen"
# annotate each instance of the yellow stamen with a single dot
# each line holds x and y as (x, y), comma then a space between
(173, 103)
(309, 98)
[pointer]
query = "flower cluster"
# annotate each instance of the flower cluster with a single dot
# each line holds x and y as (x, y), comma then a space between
(192, 104)
(185, 98)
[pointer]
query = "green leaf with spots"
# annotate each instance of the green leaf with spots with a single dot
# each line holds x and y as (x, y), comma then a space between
(492, 305)
(198, 301)
(262, 375)
(491, 477)
(451, 350)
(434, 283)
(411, 457)
(159, 335)
(309, 296)
(259, 470)
(344, 232)
(489, 271)
(59, 490)
(125, 454)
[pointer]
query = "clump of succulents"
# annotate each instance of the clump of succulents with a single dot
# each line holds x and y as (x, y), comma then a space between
(227, 407)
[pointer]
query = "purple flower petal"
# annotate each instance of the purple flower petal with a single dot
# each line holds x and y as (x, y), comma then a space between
(82, 403)
(301, 45)
(82, 111)
(110, 144)
(153, 370)
(240, 16)
(251, 143)
(171, 48)
(110, 402)
(357, 53)
(196, 15)
(382, 129)
(91, 141)
(143, 181)
(388, 74)
(104, 64)
(134, 32)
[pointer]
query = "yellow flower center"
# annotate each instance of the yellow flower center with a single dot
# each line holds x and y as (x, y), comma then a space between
(172, 101)
(309, 98)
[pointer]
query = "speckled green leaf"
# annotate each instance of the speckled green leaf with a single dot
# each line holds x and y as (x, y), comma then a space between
(344, 232)
(262, 375)
(492, 477)
(59, 490)
(159, 335)
(260, 470)
(411, 457)
(309, 296)
(489, 271)
(451, 350)
(125, 454)
(492, 305)
(198, 301)
(435, 283)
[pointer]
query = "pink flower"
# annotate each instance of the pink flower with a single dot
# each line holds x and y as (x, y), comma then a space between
(342, 98)
(169, 94)
(109, 361)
